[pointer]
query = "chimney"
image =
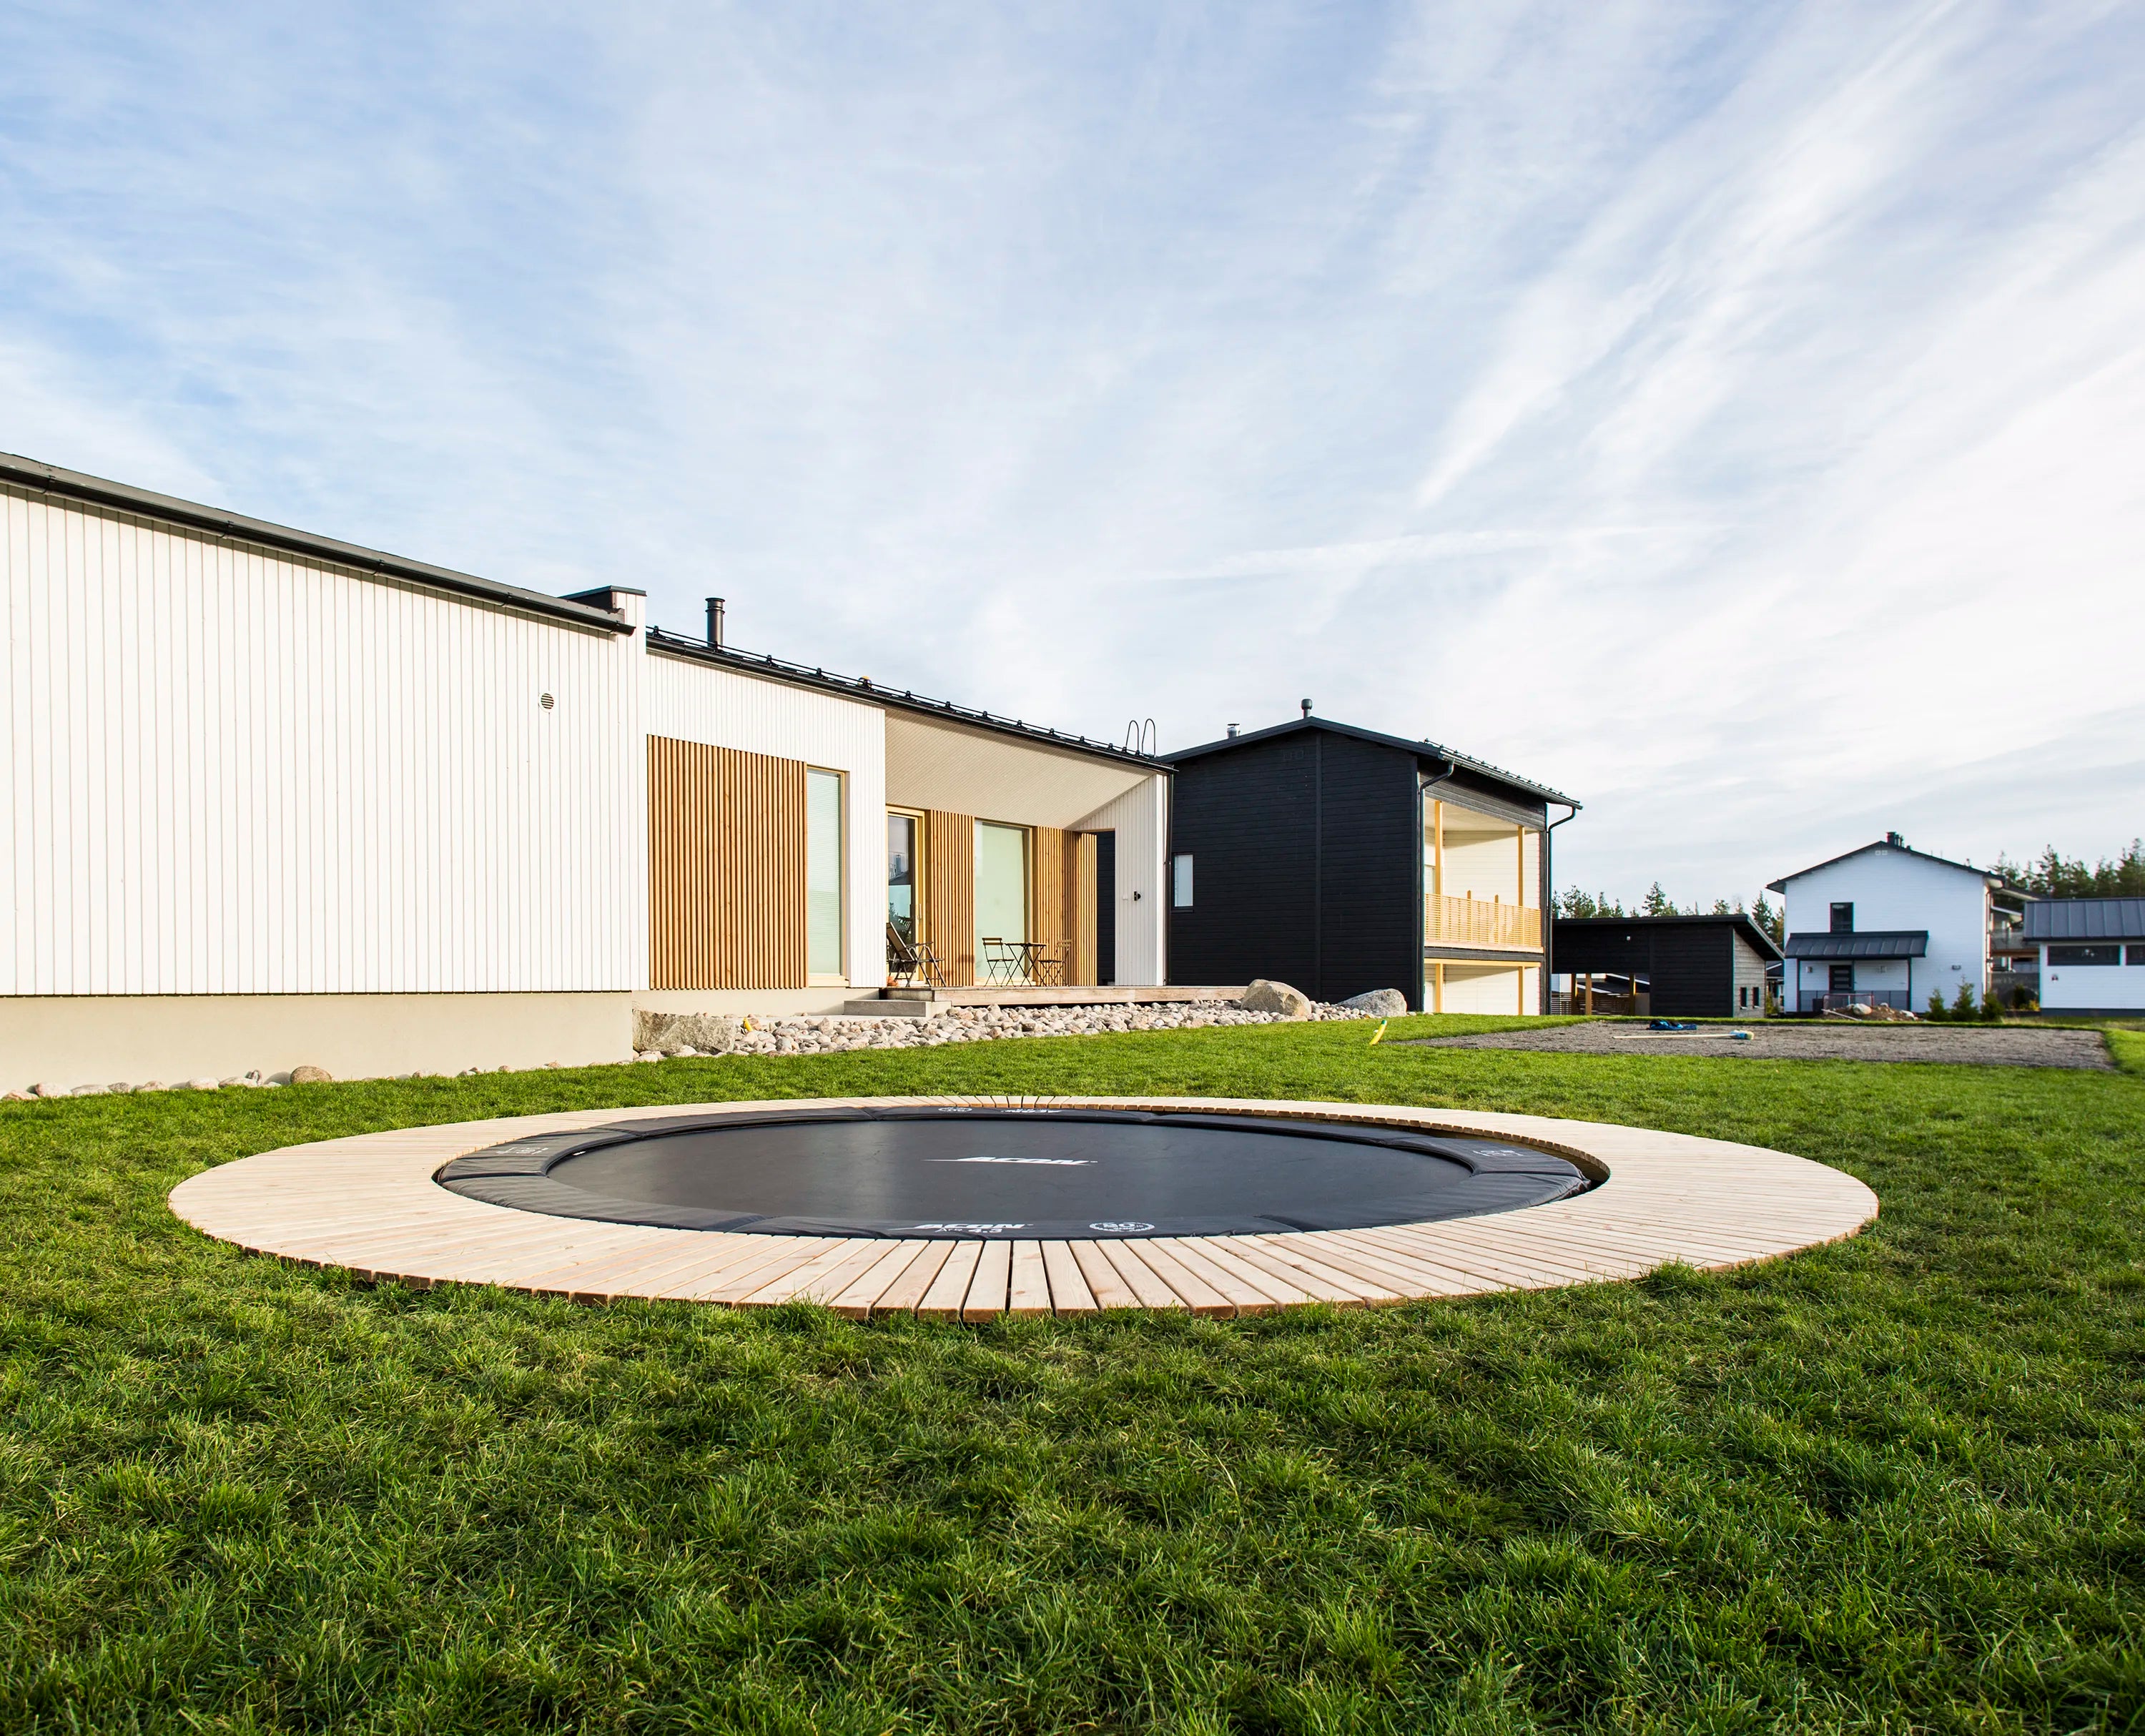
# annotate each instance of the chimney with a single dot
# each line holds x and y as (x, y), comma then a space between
(1896, 840)
(1307, 707)
(715, 624)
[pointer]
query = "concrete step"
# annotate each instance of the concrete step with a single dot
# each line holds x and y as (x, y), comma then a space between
(890, 1007)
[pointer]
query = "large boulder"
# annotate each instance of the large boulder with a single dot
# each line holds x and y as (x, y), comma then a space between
(712, 1033)
(309, 1075)
(1268, 997)
(1379, 1002)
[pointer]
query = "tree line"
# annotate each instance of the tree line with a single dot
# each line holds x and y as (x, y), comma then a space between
(1657, 903)
(2051, 874)
(2054, 875)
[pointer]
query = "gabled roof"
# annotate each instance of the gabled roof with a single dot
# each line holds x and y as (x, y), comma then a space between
(1741, 921)
(1869, 943)
(767, 667)
(45, 478)
(2086, 919)
(1426, 748)
(1965, 867)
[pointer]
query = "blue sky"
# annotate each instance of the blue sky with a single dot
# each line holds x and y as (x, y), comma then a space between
(1733, 415)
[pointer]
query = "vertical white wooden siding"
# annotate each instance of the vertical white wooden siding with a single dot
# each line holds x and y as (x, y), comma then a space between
(1141, 819)
(226, 770)
(690, 701)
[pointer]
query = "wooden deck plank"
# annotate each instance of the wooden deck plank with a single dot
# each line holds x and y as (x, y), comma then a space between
(994, 1279)
(1449, 1251)
(949, 1289)
(1101, 1277)
(1028, 1293)
(907, 1291)
(1249, 1291)
(1197, 1283)
(829, 1275)
(1434, 1280)
(732, 1280)
(1307, 1274)
(854, 1300)
(1149, 1286)
(1069, 1290)
(1404, 1282)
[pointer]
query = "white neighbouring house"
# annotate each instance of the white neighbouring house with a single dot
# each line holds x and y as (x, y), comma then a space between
(1889, 926)
(2092, 953)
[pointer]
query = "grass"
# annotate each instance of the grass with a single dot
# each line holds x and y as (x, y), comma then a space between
(1892, 1485)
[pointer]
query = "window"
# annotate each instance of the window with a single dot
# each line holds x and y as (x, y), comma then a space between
(2085, 955)
(1180, 882)
(1843, 919)
(822, 875)
(2137, 955)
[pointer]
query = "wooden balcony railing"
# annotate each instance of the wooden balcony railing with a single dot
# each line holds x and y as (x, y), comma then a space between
(1480, 922)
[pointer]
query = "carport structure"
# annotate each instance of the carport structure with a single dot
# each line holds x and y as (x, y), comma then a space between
(1693, 966)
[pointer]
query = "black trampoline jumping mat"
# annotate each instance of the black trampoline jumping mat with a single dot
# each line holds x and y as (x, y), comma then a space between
(992, 1173)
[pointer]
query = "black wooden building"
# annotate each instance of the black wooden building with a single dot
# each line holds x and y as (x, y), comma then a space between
(1305, 852)
(1690, 967)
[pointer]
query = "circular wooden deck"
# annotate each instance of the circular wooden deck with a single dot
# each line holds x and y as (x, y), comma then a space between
(369, 1205)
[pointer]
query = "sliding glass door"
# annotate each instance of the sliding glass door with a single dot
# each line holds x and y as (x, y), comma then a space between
(1000, 900)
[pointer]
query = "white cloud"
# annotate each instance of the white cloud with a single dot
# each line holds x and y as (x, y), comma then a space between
(1727, 413)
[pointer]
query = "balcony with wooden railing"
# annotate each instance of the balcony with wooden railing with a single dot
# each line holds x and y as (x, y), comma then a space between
(1449, 922)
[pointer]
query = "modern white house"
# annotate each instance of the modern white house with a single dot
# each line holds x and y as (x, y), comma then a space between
(1889, 926)
(2092, 953)
(269, 799)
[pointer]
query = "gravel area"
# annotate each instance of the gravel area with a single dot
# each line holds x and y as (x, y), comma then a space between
(2004, 1046)
(832, 1034)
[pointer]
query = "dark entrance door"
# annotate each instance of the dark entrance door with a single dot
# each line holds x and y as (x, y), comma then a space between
(1843, 979)
(1105, 907)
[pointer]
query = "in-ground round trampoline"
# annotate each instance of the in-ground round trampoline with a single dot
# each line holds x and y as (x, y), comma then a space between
(961, 1173)
(968, 1208)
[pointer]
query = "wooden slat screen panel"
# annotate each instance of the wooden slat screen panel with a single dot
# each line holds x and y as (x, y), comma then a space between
(1080, 904)
(949, 894)
(1046, 902)
(725, 867)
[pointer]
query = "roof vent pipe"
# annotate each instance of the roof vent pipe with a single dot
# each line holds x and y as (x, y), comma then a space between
(1233, 732)
(1305, 703)
(715, 624)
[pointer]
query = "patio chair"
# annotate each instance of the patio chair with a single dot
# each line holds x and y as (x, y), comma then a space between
(908, 961)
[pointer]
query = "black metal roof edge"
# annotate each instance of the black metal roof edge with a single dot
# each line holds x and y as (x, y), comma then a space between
(2124, 919)
(1780, 885)
(1861, 934)
(1428, 749)
(1823, 937)
(1734, 918)
(770, 668)
(27, 473)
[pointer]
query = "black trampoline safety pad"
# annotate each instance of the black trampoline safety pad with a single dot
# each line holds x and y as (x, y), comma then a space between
(998, 1172)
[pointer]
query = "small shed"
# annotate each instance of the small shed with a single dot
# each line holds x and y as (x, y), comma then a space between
(1690, 966)
(2092, 953)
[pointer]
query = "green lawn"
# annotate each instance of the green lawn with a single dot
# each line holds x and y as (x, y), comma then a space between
(1890, 1486)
